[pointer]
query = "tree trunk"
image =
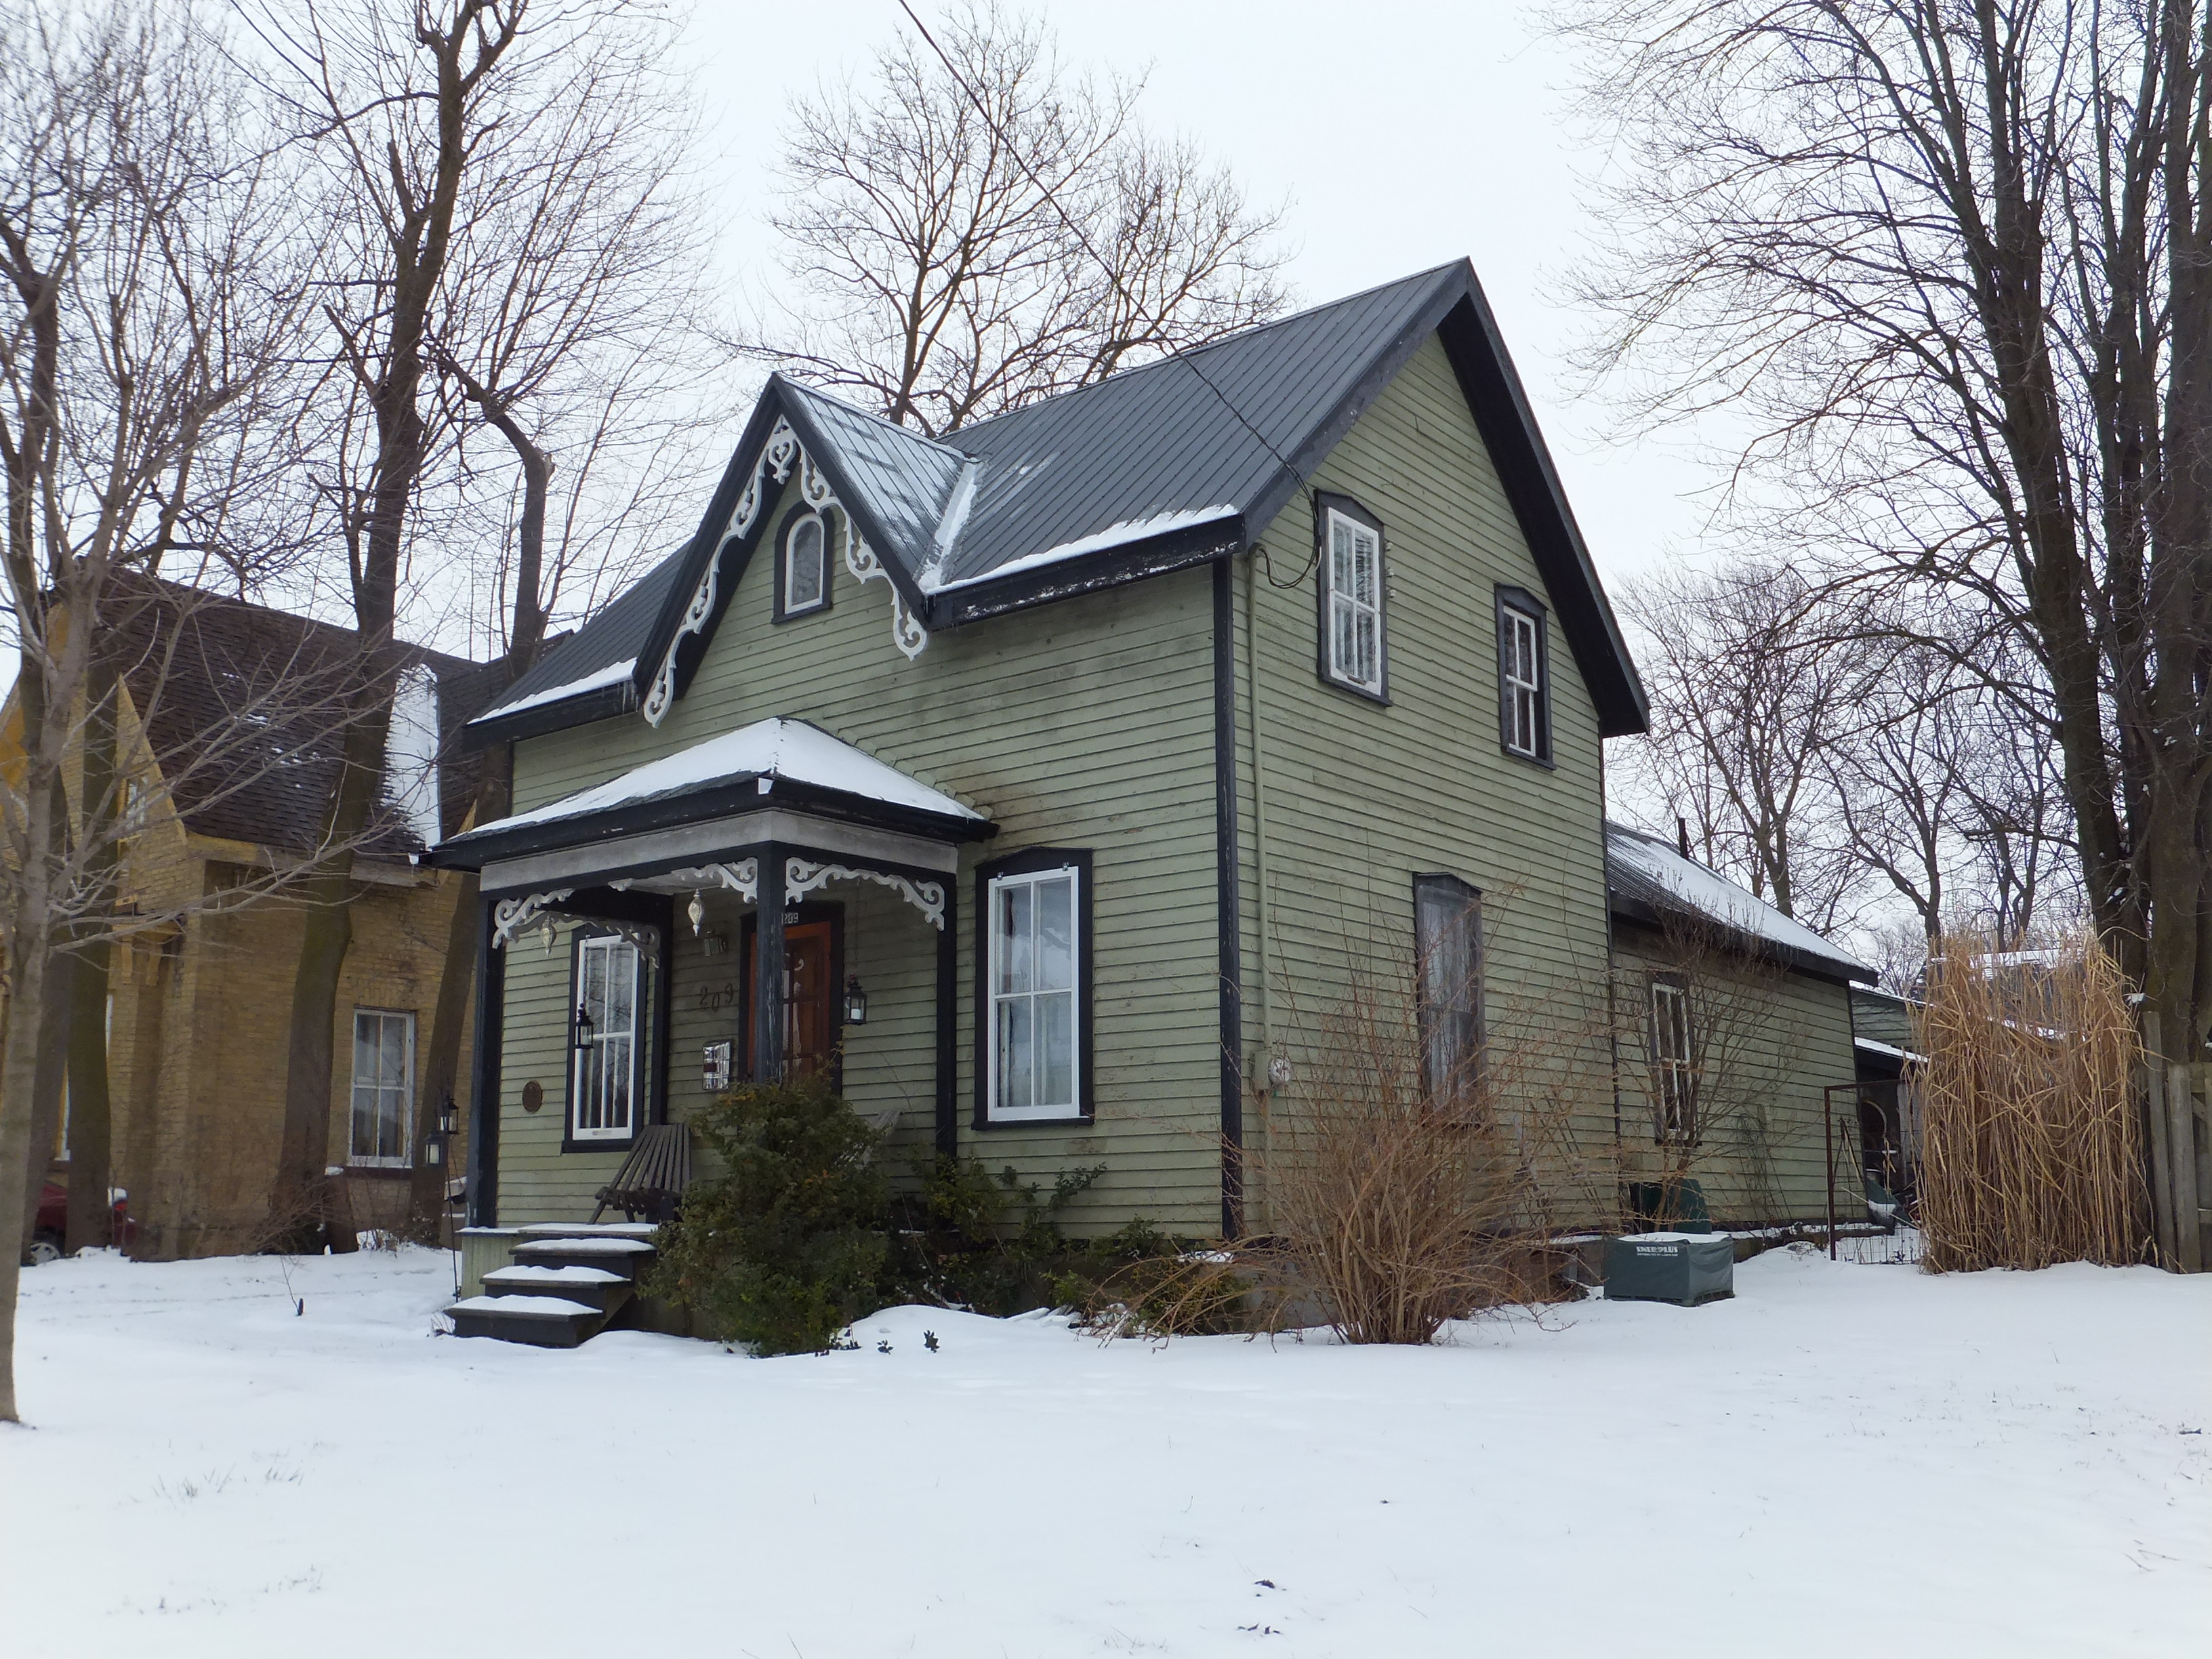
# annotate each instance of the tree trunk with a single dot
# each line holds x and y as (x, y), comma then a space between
(91, 1125)
(48, 1072)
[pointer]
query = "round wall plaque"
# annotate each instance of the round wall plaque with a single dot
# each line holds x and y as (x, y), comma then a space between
(533, 1095)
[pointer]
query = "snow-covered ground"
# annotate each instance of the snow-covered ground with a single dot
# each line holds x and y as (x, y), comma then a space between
(1845, 1460)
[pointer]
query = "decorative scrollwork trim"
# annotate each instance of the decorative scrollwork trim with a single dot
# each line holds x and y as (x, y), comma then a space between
(511, 918)
(803, 876)
(741, 877)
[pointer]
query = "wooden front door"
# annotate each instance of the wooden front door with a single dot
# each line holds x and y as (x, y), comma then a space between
(810, 1007)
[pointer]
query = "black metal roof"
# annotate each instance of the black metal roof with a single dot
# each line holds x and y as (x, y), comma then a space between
(1169, 463)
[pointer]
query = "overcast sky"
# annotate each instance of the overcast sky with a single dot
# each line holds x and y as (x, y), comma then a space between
(1400, 134)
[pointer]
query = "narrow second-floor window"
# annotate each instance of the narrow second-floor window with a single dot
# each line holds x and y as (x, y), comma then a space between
(1524, 703)
(805, 561)
(1353, 645)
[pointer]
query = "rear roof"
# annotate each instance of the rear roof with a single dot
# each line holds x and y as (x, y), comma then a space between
(1648, 880)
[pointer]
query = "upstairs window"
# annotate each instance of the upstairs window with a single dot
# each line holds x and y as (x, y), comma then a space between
(803, 566)
(1673, 1064)
(603, 1039)
(1524, 695)
(1353, 652)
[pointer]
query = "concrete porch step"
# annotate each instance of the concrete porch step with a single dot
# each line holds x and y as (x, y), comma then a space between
(594, 1288)
(539, 1322)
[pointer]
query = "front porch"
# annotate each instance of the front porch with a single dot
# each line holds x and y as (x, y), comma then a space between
(771, 902)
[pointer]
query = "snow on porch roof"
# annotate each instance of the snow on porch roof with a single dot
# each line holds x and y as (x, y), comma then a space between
(777, 748)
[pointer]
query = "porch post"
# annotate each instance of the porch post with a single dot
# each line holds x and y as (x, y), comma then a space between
(948, 1022)
(768, 967)
(482, 1188)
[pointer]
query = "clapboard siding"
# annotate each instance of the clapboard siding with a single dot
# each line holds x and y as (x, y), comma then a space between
(1360, 797)
(1770, 1042)
(1086, 723)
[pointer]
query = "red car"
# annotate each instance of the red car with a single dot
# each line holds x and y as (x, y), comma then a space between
(52, 1227)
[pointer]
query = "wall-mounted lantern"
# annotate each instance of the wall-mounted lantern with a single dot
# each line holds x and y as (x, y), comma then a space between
(580, 1029)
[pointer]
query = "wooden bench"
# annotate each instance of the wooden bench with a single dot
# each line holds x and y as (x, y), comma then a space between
(652, 1179)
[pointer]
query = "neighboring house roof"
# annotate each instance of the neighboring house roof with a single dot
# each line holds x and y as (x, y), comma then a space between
(770, 763)
(242, 710)
(1174, 463)
(1648, 881)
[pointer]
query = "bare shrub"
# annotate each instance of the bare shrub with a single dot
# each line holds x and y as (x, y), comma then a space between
(2030, 1150)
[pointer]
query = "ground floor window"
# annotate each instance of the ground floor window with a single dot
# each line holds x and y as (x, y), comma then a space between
(383, 1086)
(1034, 1007)
(1448, 942)
(1673, 1067)
(603, 1039)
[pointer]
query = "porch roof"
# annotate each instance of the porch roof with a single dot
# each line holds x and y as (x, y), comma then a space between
(785, 763)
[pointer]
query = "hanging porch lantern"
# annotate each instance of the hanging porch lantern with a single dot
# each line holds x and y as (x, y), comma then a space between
(856, 1002)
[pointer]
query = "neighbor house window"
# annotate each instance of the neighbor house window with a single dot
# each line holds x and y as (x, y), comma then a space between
(602, 1038)
(1523, 695)
(383, 1086)
(1674, 1066)
(1447, 943)
(1034, 1022)
(1351, 643)
(805, 561)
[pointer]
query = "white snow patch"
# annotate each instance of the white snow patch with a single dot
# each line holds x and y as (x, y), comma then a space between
(531, 1307)
(1714, 895)
(1888, 1048)
(612, 674)
(1129, 530)
(773, 748)
(2012, 1461)
(410, 760)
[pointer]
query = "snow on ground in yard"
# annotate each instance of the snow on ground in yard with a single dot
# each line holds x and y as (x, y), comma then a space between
(1845, 1460)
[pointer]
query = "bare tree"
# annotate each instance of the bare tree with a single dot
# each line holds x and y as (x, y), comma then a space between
(570, 300)
(143, 263)
(971, 232)
(1953, 261)
(1748, 692)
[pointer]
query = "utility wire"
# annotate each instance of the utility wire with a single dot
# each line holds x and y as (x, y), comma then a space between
(1188, 359)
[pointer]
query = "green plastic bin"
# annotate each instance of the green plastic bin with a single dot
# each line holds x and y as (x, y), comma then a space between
(1685, 1268)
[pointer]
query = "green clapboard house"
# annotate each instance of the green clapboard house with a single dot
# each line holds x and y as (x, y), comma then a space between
(1052, 784)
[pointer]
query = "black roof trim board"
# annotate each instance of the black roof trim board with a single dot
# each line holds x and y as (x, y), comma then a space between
(1134, 446)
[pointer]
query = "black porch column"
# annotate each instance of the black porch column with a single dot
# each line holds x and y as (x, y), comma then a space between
(483, 1076)
(948, 1021)
(767, 966)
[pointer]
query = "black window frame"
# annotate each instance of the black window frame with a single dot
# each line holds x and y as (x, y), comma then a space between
(1032, 861)
(1325, 503)
(1522, 600)
(1686, 1135)
(1468, 896)
(791, 520)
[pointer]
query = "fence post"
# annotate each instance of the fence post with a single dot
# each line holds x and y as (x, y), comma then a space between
(2181, 1154)
(1828, 1150)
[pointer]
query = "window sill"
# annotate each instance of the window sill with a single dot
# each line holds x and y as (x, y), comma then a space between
(1382, 697)
(1543, 762)
(1058, 1120)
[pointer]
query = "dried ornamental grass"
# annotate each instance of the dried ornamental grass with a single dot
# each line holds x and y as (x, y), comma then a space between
(2032, 1146)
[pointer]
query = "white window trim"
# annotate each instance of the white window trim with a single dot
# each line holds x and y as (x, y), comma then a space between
(406, 1155)
(790, 535)
(609, 943)
(1512, 685)
(1073, 1112)
(1330, 597)
(1674, 1077)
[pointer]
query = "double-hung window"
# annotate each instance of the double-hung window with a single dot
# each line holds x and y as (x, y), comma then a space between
(1523, 697)
(1674, 1063)
(803, 562)
(1034, 1013)
(1352, 647)
(603, 1092)
(383, 1087)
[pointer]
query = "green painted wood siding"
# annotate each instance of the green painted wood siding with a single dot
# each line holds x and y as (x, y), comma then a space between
(1088, 724)
(1359, 798)
(1783, 1038)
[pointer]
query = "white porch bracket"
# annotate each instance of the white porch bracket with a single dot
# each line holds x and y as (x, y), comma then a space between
(805, 875)
(511, 918)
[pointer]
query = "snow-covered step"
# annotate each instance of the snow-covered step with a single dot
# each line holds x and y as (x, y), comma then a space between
(627, 1256)
(638, 1230)
(541, 1321)
(595, 1287)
